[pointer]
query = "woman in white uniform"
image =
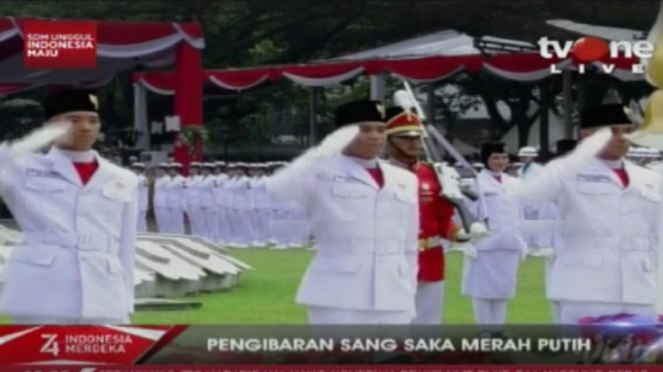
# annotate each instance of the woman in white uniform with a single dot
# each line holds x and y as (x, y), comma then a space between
(490, 271)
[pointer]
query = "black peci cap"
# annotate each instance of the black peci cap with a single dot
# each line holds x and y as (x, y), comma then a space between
(604, 115)
(70, 100)
(358, 112)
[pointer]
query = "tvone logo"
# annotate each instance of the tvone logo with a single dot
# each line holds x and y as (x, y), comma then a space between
(592, 49)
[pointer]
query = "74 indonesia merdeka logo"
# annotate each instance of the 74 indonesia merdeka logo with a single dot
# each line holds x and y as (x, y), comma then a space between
(588, 50)
(56, 345)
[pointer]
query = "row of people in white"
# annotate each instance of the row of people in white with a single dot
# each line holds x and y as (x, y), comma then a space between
(230, 208)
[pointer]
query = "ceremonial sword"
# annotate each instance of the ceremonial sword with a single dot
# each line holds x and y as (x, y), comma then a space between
(446, 175)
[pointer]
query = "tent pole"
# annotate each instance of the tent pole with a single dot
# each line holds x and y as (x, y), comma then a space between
(544, 115)
(140, 117)
(377, 87)
(313, 112)
(567, 86)
(430, 104)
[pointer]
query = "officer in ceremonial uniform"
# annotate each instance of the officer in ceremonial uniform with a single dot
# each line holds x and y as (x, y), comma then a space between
(176, 202)
(404, 132)
(160, 199)
(194, 189)
(529, 166)
(490, 272)
(609, 222)
(143, 196)
(78, 213)
(365, 222)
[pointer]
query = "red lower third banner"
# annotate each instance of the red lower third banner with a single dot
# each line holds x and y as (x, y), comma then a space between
(313, 368)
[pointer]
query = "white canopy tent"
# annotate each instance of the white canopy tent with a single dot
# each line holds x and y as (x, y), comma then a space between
(442, 43)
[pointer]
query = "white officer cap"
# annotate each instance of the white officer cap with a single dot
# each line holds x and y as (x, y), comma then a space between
(164, 165)
(138, 165)
(528, 152)
(208, 165)
(478, 165)
(195, 164)
(175, 165)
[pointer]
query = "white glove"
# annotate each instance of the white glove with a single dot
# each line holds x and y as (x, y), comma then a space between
(478, 231)
(41, 137)
(591, 146)
(470, 252)
(547, 252)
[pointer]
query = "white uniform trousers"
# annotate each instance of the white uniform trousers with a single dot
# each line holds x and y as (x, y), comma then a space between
(570, 312)
(555, 310)
(40, 321)
(222, 225)
(489, 312)
(209, 229)
(161, 215)
(283, 227)
(176, 221)
(554, 305)
(254, 238)
(141, 222)
(246, 228)
(197, 220)
(429, 303)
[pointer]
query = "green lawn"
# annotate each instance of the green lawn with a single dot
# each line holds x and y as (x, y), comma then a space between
(266, 295)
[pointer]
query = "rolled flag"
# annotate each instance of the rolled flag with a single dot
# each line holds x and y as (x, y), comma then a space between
(655, 64)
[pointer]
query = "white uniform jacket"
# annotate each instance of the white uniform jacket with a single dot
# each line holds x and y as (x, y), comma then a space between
(194, 190)
(529, 171)
(77, 257)
(160, 198)
(143, 193)
(176, 191)
(366, 237)
(494, 273)
(608, 233)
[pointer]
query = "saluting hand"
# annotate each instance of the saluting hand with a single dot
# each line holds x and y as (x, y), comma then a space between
(42, 137)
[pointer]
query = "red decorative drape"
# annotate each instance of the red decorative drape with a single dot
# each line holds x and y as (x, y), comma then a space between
(188, 100)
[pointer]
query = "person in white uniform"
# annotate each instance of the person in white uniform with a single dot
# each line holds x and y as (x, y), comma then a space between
(280, 225)
(77, 212)
(208, 207)
(365, 221)
(529, 167)
(143, 196)
(490, 270)
(230, 208)
(526, 169)
(222, 201)
(176, 205)
(194, 210)
(242, 206)
(261, 206)
(609, 213)
(160, 199)
(549, 240)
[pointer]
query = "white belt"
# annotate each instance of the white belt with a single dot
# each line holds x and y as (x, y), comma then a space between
(83, 242)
